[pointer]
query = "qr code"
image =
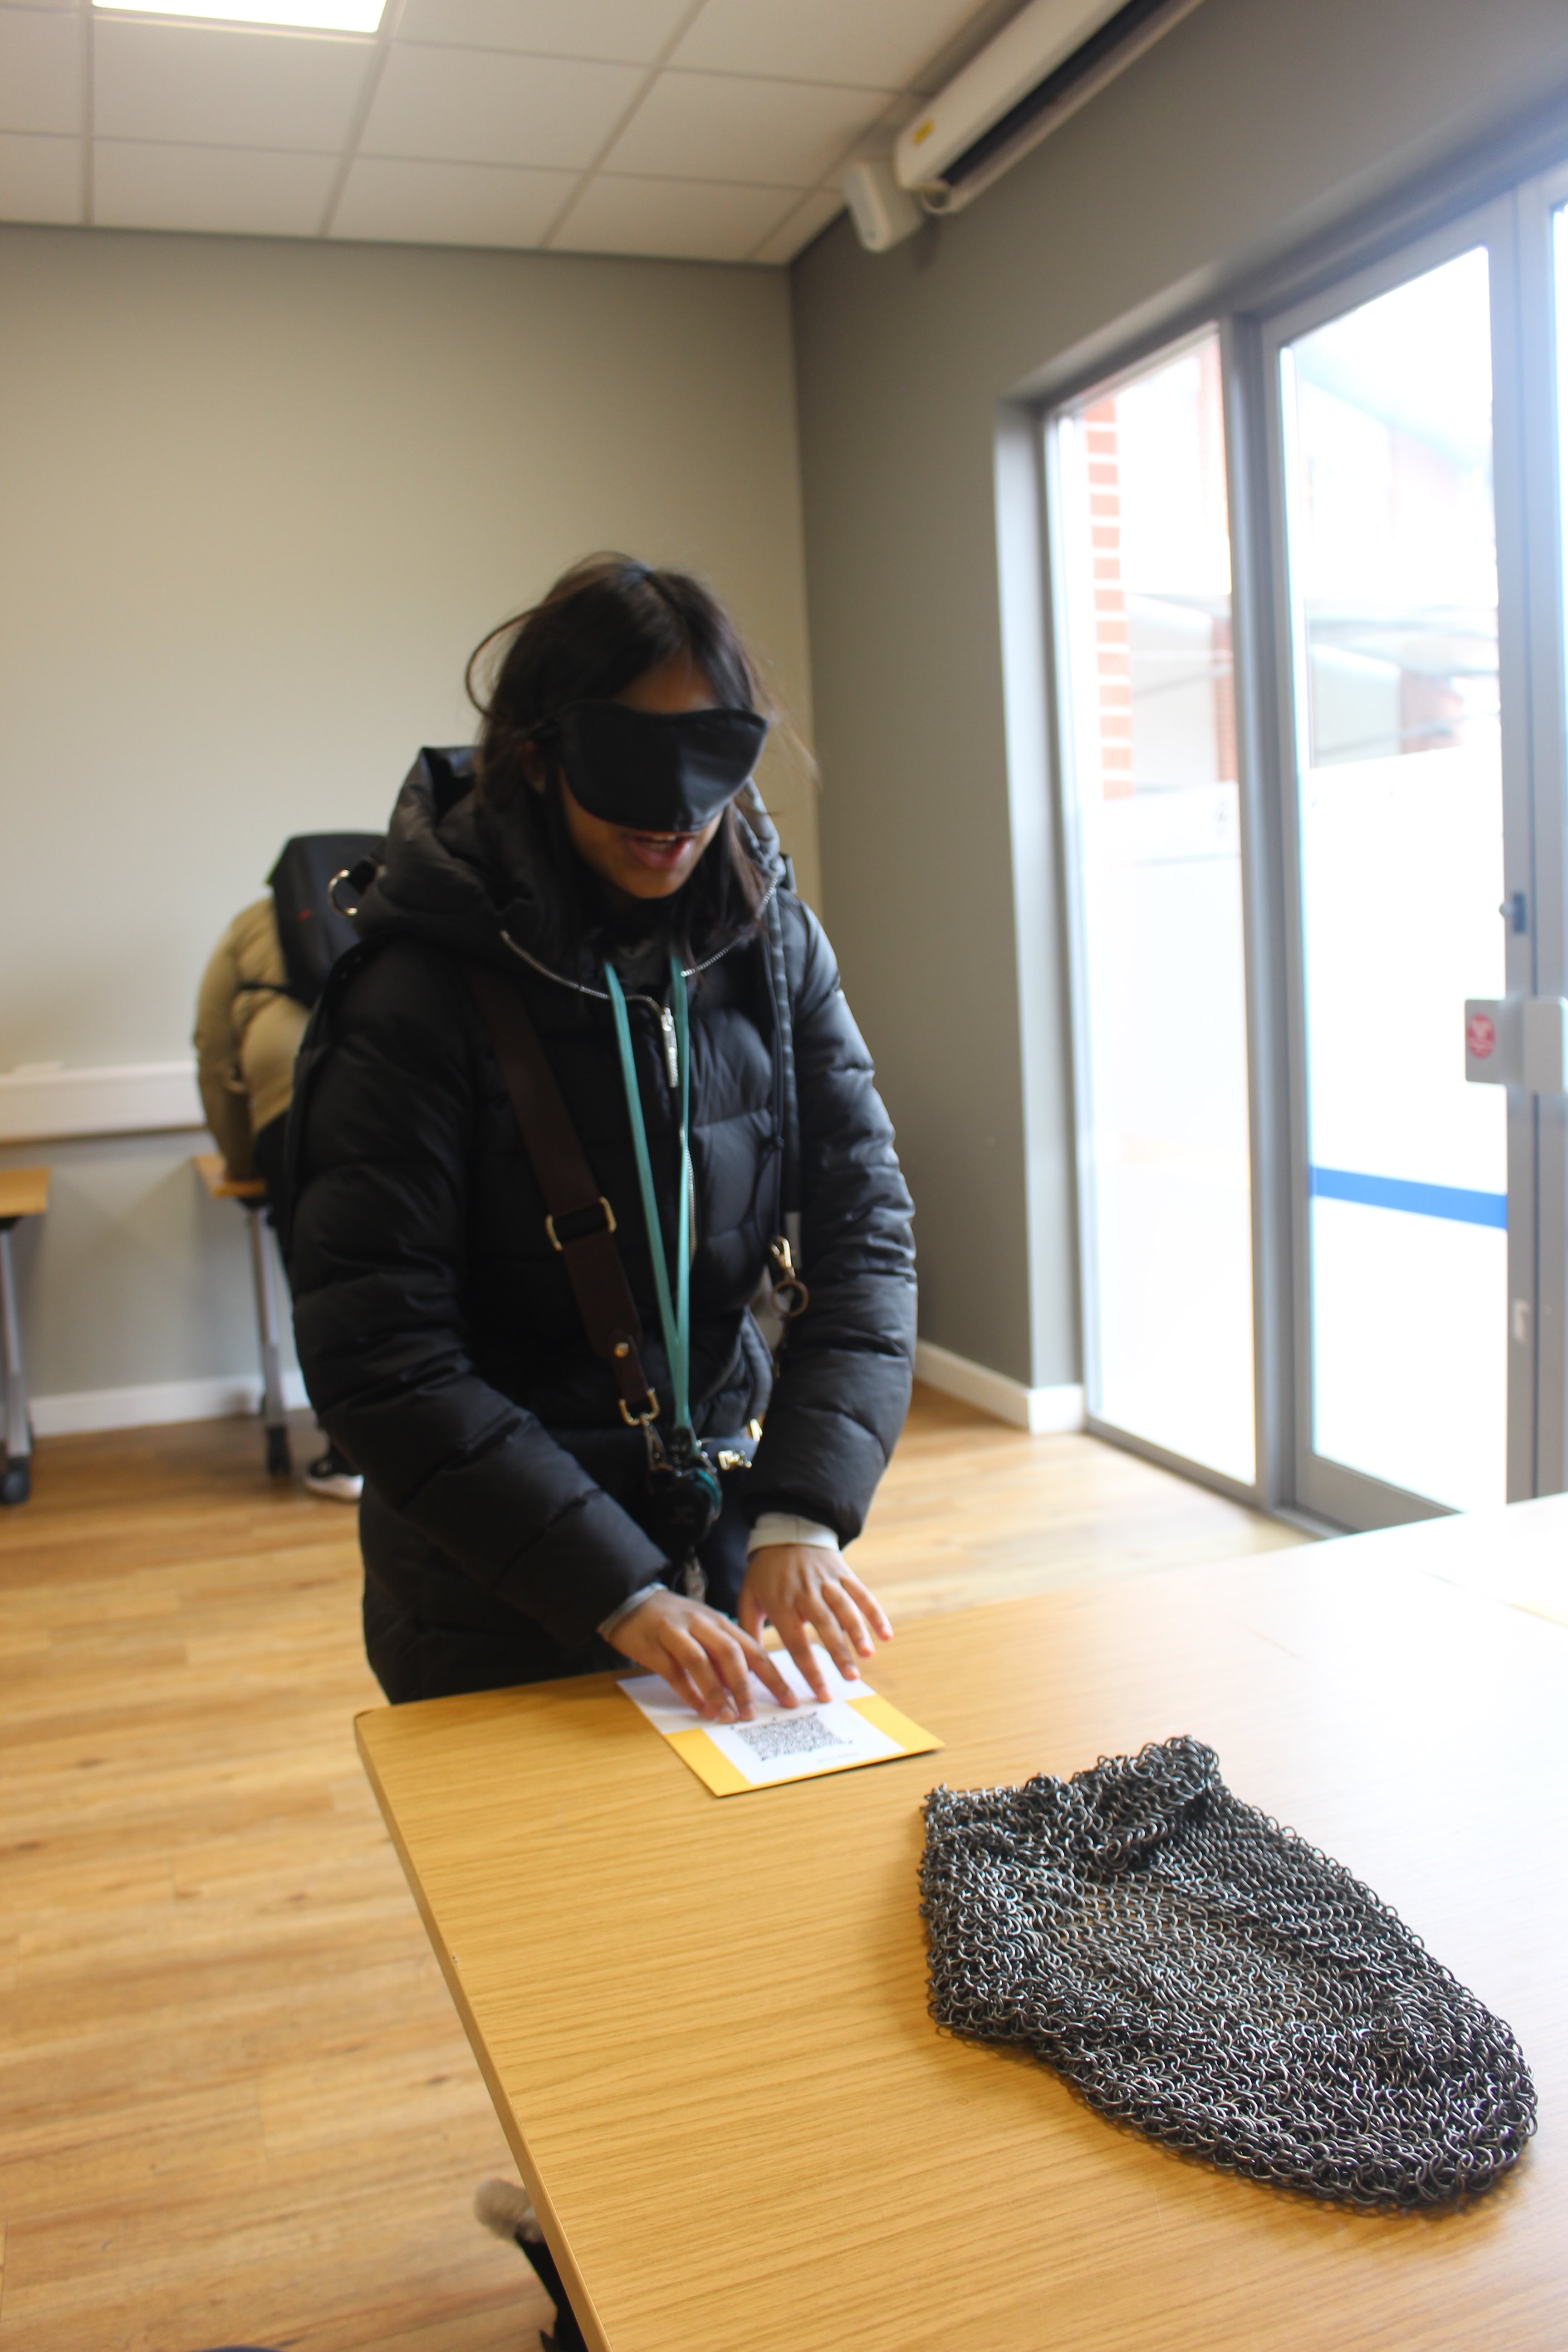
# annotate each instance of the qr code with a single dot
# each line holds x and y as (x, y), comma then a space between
(788, 1735)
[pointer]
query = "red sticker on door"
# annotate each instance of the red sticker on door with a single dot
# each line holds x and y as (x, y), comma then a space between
(1480, 1037)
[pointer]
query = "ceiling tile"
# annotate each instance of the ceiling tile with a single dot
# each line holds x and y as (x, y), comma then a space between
(682, 219)
(727, 127)
(474, 106)
(40, 179)
(40, 70)
(241, 191)
(219, 86)
(797, 228)
(632, 32)
(400, 202)
(880, 44)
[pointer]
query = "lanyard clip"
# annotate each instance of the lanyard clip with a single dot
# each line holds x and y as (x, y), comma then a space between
(791, 1297)
(671, 1047)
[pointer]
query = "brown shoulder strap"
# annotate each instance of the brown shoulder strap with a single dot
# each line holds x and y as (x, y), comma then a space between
(579, 1221)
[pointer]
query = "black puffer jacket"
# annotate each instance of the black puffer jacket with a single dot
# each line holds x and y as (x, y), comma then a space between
(440, 1338)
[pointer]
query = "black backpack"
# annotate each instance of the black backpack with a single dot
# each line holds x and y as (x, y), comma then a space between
(312, 930)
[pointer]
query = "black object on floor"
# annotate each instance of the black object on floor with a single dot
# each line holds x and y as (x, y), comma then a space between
(1214, 1980)
(568, 2335)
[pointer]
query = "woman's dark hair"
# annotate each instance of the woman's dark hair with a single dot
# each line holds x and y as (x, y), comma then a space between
(604, 622)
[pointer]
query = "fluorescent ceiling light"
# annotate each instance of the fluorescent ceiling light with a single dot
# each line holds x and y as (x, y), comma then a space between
(307, 16)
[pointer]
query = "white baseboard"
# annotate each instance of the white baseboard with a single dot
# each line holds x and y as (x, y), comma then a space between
(161, 1401)
(1039, 1411)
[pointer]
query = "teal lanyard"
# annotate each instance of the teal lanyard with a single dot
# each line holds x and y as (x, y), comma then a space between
(674, 1320)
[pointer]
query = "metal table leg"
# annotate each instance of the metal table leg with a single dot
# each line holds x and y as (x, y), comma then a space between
(16, 1480)
(280, 1461)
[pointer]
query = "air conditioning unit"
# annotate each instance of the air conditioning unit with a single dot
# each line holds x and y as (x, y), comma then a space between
(1052, 58)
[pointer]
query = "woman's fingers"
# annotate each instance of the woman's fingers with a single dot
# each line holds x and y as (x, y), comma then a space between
(841, 1603)
(753, 1616)
(732, 1658)
(728, 1662)
(831, 1633)
(685, 1689)
(794, 1632)
(767, 1673)
(711, 1661)
(707, 1662)
(871, 1609)
(683, 1648)
(811, 1597)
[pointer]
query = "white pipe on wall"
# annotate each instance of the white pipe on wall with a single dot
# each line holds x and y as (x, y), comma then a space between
(46, 1102)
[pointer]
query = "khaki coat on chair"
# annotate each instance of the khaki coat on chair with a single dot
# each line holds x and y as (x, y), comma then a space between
(247, 1034)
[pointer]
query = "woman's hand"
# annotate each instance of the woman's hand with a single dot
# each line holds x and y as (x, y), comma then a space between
(800, 1588)
(705, 1660)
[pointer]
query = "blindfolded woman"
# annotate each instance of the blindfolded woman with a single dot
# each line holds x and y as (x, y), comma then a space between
(558, 1121)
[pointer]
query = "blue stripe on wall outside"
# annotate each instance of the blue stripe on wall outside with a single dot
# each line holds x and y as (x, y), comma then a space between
(1449, 1200)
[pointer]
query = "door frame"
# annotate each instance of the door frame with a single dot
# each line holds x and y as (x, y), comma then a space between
(1543, 425)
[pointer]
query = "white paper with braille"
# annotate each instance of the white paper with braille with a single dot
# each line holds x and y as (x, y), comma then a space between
(781, 1743)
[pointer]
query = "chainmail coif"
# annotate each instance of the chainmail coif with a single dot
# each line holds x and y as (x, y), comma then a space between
(1206, 1976)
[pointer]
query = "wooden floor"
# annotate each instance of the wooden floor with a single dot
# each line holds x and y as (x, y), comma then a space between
(235, 2107)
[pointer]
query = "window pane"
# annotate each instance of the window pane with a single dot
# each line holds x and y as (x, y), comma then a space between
(1151, 737)
(1393, 569)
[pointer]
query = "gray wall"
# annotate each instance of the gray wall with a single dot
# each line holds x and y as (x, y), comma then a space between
(259, 500)
(134, 1281)
(1252, 125)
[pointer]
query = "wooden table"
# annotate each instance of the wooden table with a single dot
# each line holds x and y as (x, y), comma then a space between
(703, 2022)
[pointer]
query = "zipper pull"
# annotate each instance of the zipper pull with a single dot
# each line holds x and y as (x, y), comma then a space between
(671, 1050)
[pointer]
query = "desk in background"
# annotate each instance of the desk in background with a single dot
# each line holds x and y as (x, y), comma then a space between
(703, 2023)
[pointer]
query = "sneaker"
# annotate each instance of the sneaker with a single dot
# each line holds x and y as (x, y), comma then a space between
(335, 1477)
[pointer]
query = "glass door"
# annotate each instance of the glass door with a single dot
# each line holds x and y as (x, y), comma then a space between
(1405, 760)
(1148, 738)
(1315, 817)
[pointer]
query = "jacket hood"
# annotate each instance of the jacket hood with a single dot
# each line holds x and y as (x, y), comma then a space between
(460, 876)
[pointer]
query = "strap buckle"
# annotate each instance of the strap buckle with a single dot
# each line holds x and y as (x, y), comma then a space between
(568, 1215)
(641, 1420)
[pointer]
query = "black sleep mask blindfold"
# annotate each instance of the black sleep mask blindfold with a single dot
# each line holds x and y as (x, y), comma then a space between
(654, 771)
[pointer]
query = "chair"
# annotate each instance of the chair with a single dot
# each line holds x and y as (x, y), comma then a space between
(251, 1193)
(24, 1192)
